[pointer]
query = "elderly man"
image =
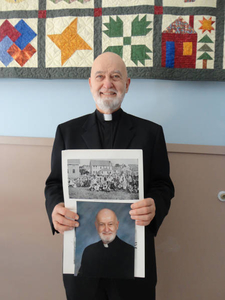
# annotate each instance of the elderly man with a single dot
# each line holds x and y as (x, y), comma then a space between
(109, 127)
(110, 257)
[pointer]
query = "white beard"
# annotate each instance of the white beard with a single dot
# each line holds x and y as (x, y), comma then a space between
(107, 239)
(109, 104)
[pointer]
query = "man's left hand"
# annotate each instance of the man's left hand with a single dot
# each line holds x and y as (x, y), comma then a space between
(143, 211)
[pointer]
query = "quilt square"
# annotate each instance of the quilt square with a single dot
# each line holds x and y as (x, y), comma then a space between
(130, 36)
(193, 38)
(69, 42)
(22, 34)
(190, 3)
(18, 5)
(122, 3)
(69, 4)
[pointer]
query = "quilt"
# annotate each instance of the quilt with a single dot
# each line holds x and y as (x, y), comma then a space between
(160, 39)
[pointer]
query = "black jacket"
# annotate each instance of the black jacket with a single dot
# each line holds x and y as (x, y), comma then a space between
(114, 261)
(132, 133)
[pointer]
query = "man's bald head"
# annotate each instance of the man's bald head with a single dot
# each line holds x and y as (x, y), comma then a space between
(108, 82)
(110, 59)
(107, 225)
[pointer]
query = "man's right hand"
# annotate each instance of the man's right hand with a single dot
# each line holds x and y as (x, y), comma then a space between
(64, 219)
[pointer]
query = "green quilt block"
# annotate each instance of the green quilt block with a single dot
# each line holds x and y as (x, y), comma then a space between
(130, 36)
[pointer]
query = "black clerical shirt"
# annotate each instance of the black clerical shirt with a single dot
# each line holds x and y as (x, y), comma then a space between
(107, 129)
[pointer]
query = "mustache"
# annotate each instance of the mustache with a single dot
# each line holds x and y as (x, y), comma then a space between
(108, 91)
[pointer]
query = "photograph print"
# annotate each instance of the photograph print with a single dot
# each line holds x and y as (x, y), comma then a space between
(105, 240)
(103, 179)
(114, 179)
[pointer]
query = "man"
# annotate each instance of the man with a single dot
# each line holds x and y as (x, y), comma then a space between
(110, 257)
(110, 127)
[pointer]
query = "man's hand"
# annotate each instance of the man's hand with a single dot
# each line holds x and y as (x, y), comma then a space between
(64, 219)
(143, 211)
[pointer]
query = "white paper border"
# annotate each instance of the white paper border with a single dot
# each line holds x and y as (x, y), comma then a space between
(69, 236)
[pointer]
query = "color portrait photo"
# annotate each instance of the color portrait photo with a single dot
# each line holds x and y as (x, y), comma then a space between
(105, 240)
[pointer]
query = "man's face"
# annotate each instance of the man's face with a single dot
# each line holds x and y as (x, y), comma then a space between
(108, 82)
(107, 225)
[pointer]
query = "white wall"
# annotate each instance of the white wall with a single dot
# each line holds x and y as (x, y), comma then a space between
(190, 112)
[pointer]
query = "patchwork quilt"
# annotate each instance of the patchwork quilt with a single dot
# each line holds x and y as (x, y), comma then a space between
(161, 39)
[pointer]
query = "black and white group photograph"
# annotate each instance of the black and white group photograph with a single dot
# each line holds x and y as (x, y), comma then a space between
(103, 179)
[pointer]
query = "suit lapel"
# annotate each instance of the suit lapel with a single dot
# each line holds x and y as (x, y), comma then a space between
(125, 132)
(90, 133)
(124, 135)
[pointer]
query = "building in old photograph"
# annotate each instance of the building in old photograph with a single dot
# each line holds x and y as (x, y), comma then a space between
(73, 168)
(100, 165)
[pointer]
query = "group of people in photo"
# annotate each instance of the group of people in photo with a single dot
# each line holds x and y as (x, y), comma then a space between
(112, 181)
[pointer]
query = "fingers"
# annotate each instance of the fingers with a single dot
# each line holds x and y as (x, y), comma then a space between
(64, 219)
(143, 211)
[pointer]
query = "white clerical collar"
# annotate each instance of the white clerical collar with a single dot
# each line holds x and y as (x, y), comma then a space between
(107, 117)
(106, 245)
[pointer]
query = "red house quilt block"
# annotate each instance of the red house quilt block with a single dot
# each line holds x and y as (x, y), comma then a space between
(189, 42)
(179, 43)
